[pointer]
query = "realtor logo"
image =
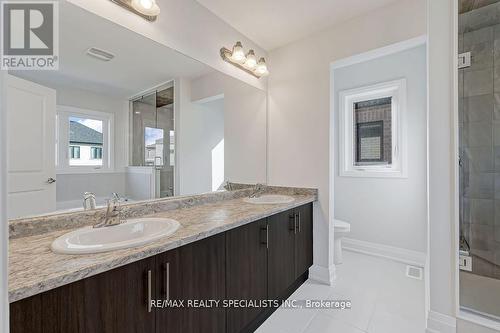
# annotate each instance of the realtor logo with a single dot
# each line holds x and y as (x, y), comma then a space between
(30, 36)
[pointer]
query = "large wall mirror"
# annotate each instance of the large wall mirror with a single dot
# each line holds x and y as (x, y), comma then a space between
(126, 115)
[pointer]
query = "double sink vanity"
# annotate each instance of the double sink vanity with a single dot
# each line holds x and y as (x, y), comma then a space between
(221, 259)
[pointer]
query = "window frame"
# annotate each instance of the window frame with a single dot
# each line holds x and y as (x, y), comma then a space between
(62, 140)
(347, 98)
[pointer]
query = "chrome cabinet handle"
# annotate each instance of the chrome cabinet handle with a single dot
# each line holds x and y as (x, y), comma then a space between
(295, 223)
(266, 228)
(166, 272)
(267, 236)
(294, 226)
(149, 290)
(299, 220)
(51, 180)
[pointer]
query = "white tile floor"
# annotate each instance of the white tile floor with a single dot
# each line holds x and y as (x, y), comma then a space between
(383, 300)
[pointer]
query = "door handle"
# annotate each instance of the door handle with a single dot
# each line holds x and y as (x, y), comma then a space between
(51, 180)
(149, 290)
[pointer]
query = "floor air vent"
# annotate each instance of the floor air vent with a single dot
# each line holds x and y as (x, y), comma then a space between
(414, 272)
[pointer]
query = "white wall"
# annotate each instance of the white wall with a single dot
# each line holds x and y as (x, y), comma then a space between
(185, 26)
(442, 167)
(299, 97)
(201, 129)
(245, 119)
(389, 211)
(4, 229)
(70, 187)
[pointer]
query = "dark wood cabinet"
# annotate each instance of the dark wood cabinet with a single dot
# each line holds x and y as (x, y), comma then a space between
(63, 309)
(193, 272)
(26, 315)
(117, 301)
(246, 272)
(114, 301)
(303, 239)
(264, 260)
(281, 253)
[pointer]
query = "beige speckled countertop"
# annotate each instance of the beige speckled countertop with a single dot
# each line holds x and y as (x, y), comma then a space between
(34, 268)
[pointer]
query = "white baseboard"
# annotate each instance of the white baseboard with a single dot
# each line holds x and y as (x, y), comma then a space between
(322, 274)
(441, 323)
(405, 256)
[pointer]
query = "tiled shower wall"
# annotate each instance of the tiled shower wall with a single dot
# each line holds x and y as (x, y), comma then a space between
(479, 124)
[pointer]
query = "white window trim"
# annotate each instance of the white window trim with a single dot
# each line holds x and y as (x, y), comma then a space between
(399, 167)
(62, 139)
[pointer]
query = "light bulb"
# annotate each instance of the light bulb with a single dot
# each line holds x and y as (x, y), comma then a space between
(147, 4)
(146, 7)
(261, 68)
(238, 55)
(251, 61)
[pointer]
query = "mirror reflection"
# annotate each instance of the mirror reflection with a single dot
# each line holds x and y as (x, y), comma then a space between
(128, 118)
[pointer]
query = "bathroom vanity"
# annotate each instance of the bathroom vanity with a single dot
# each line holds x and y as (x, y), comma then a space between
(225, 250)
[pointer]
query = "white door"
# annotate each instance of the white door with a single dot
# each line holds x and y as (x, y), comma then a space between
(31, 112)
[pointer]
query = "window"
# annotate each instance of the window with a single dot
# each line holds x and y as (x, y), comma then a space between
(96, 153)
(373, 131)
(74, 152)
(84, 140)
(153, 141)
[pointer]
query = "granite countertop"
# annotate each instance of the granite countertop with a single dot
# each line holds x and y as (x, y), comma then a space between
(34, 268)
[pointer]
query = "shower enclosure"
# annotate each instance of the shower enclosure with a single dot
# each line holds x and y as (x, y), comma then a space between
(479, 149)
(153, 138)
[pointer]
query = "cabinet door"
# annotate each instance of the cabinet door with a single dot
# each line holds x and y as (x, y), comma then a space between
(246, 271)
(63, 309)
(192, 272)
(281, 253)
(114, 301)
(303, 239)
(117, 301)
(26, 315)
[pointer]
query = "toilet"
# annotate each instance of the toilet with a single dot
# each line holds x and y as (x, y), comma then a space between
(341, 228)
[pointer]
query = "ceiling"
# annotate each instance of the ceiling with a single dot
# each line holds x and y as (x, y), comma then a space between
(139, 62)
(274, 23)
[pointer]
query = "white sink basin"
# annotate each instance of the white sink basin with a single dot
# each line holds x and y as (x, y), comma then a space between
(131, 233)
(270, 199)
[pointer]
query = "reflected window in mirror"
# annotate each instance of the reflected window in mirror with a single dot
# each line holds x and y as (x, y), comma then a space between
(83, 140)
(153, 141)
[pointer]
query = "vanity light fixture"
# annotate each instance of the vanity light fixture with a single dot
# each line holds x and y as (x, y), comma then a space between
(247, 62)
(147, 9)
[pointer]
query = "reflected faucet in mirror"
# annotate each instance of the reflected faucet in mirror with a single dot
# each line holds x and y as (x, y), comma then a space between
(89, 201)
(258, 189)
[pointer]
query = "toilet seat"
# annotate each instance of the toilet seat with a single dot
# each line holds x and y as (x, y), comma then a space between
(341, 226)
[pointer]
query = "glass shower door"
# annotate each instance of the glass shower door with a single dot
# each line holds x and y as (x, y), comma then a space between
(153, 138)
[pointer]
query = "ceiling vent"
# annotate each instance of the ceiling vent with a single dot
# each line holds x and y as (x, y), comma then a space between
(100, 54)
(414, 272)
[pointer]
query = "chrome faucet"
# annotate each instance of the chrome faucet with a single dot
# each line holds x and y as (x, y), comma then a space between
(113, 210)
(228, 186)
(257, 191)
(88, 201)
